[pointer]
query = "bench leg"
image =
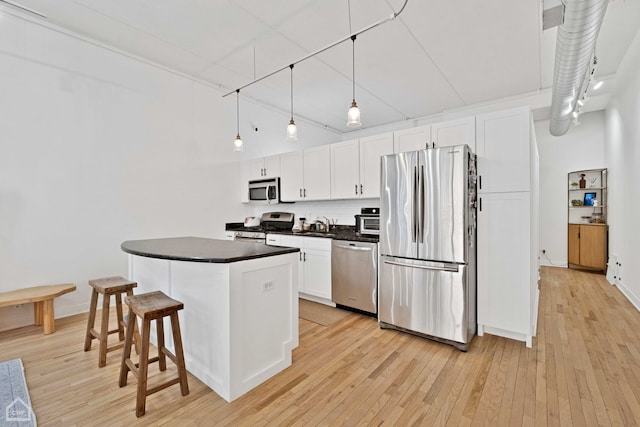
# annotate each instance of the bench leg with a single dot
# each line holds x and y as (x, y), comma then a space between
(48, 317)
(37, 313)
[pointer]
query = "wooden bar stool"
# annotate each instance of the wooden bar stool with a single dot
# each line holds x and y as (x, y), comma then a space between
(107, 287)
(153, 306)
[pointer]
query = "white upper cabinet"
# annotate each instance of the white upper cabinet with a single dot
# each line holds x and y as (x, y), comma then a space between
(291, 176)
(317, 173)
(306, 175)
(355, 166)
(502, 141)
(454, 132)
(264, 167)
(345, 176)
(412, 139)
(371, 149)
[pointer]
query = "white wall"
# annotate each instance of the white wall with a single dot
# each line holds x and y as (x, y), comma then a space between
(98, 147)
(623, 160)
(582, 147)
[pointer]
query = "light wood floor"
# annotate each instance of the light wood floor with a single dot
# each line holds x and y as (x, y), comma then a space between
(583, 369)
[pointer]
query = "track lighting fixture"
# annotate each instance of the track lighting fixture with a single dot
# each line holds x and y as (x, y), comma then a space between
(292, 129)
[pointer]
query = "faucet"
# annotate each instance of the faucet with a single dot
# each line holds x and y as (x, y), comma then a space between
(328, 223)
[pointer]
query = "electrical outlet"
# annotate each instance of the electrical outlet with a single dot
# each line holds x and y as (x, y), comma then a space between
(267, 286)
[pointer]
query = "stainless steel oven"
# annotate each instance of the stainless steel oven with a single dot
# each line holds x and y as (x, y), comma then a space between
(250, 236)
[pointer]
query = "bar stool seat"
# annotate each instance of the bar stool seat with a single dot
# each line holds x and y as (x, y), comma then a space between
(107, 287)
(153, 306)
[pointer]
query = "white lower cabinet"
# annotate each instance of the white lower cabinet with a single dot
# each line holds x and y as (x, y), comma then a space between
(504, 275)
(314, 280)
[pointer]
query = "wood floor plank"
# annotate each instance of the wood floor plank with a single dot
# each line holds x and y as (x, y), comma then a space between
(583, 369)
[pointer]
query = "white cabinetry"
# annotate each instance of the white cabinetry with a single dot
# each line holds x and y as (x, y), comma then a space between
(291, 176)
(503, 151)
(508, 226)
(371, 149)
(412, 139)
(306, 175)
(345, 172)
(315, 266)
(264, 167)
(355, 166)
(454, 132)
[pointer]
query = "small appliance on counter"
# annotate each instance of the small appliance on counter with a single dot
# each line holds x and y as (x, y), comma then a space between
(251, 221)
(368, 222)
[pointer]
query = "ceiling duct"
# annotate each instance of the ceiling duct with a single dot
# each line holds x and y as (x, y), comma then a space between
(575, 46)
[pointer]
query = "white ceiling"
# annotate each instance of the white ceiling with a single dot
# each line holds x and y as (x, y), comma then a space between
(436, 56)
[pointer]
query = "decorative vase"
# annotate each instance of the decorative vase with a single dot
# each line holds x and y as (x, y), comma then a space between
(583, 182)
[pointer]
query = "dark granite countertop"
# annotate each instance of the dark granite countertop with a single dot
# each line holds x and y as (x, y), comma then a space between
(338, 232)
(199, 249)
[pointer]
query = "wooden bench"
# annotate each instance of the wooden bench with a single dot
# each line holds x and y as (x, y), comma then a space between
(42, 299)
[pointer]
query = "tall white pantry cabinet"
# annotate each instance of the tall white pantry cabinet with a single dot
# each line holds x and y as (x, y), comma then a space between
(507, 224)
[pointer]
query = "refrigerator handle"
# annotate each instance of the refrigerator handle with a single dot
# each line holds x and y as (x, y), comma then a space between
(453, 268)
(421, 209)
(414, 224)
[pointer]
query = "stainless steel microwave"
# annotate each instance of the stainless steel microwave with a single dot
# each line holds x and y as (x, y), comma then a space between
(264, 191)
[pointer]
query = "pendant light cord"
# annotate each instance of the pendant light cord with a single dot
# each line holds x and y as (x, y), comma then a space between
(353, 62)
(238, 110)
(291, 66)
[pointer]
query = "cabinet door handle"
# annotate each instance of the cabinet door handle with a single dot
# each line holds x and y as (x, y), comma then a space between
(480, 181)
(356, 188)
(480, 199)
(304, 257)
(265, 171)
(300, 254)
(301, 193)
(360, 188)
(304, 192)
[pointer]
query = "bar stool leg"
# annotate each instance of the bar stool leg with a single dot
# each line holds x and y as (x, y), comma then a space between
(120, 317)
(177, 343)
(92, 319)
(136, 333)
(143, 366)
(126, 353)
(104, 331)
(162, 359)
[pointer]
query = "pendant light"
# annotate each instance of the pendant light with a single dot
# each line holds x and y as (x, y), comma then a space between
(353, 116)
(292, 129)
(238, 145)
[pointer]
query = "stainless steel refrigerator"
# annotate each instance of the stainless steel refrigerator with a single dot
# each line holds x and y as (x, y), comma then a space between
(427, 283)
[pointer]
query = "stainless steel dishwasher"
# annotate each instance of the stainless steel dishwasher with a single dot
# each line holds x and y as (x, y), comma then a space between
(354, 275)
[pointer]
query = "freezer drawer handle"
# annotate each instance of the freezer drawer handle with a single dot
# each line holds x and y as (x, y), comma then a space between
(424, 267)
(355, 248)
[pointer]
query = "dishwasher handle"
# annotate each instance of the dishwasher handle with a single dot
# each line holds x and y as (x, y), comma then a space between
(355, 248)
(453, 268)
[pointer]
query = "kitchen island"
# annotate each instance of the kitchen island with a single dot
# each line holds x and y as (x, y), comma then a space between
(240, 319)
